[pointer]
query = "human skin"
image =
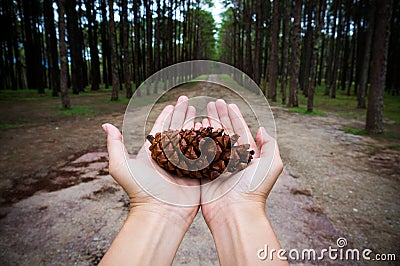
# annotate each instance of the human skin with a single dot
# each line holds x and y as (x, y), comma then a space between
(154, 230)
(237, 220)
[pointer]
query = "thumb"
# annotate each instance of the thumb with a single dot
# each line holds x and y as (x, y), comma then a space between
(265, 142)
(116, 153)
(268, 163)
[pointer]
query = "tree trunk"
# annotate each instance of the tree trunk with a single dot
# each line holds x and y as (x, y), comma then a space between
(338, 51)
(94, 51)
(328, 73)
(285, 53)
(374, 122)
(105, 50)
(273, 60)
(319, 21)
(136, 64)
(51, 42)
(63, 56)
(75, 47)
(149, 39)
(247, 24)
(258, 42)
(114, 58)
(307, 50)
(32, 47)
(294, 65)
(367, 56)
(127, 60)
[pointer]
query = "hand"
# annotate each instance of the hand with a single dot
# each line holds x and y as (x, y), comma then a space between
(145, 170)
(249, 188)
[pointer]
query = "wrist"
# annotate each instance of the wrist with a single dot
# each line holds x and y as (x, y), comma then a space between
(233, 214)
(178, 216)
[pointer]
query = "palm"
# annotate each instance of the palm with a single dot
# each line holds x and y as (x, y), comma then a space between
(144, 181)
(250, 185)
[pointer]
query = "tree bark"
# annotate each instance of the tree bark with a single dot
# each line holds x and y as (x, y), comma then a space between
(285, 52)
(94, 51)
(328, 73)
(258, 42)
(51, 42)
(319, 21)
(367, 56)
(273, 60)
(74, 41)
(114, 58)
(63, 56)
(374, 122)
(127, 60)
(294, 65)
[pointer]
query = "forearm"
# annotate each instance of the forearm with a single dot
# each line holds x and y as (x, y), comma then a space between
(146, 238)
(242, 234)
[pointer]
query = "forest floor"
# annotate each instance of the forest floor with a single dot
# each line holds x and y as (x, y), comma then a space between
(58, 205)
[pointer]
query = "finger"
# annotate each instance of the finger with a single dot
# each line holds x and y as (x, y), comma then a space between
(179, 114)
(240, 128)
(265, 142)
(189, 120)
(163, 120)
(222, 110)
(213, 116)
(270, 160)
(117, 156)
(205, 122)
(198, 125)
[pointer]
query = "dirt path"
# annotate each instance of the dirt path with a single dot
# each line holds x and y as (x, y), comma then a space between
(332, 186)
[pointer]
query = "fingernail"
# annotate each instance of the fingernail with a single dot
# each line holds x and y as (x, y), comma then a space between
(104, 126)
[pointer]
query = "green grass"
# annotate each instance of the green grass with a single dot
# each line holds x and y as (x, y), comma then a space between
(7, 126)
(77, 110)
(24, 95)
(355, 131)
(303, 110)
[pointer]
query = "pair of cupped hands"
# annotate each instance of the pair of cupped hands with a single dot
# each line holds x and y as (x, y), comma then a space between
(250, 188)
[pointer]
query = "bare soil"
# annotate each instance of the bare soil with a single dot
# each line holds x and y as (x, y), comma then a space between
(59, 206)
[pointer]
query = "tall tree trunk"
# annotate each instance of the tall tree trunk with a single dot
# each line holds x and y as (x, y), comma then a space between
(347, 50)
(247, 24)
(32, 47)
(374, 122)
(127, 60)
(63, 56)
(338, 51)
(330, 59)
(273, 60)
(285, 53)
(74, 41)
(105, 50)
(51, 42)
(149, 38)
(307, 49)
(294, 65)
(258, 41)
(136, 65)
(367, 55)
(114, 58)
(319, 21)
(321, 60)
(94, 50)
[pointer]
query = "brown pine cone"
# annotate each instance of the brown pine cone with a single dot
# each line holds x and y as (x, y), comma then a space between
(202, 153)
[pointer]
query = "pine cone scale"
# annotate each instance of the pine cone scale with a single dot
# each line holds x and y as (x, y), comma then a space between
(202, 153)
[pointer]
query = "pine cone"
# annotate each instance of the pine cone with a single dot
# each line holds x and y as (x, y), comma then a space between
(202, 153)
